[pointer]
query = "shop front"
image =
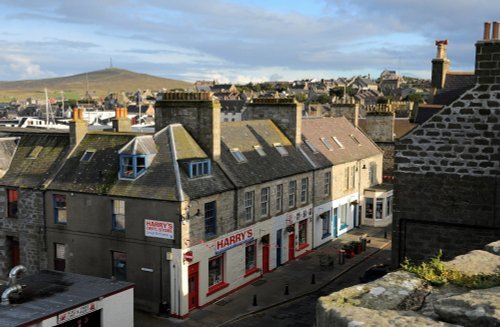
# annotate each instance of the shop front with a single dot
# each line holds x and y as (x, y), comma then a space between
(378, 205)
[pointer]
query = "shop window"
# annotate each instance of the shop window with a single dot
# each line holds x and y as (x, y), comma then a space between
(325, 224)
(249, 205)
(389, 206)
(328, 182)
(119, 265)
(59, 256)
(215, 271)
(343, 212)
(279, 197)
(304, 188)
(12, 196)
(264, 201)
(118, 215)
(292, 195)
(210, 219)
(369, 208)
(251, 257)
(380, 207)
(60, 210)
(303, 234)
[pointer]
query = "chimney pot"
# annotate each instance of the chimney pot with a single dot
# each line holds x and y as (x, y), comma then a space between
(495, 30)
(487, 29)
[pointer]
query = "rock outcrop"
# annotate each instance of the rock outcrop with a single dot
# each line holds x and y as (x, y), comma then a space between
(402, 299)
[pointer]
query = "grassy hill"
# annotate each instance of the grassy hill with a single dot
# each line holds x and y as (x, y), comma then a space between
(99, 83)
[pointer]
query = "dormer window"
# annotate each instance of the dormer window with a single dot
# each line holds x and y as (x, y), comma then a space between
(281, 149)
(238, 155)
(136, 157)
(259, 150)
(198, 168)
(132, 166)
(87, 155)
(326, 143)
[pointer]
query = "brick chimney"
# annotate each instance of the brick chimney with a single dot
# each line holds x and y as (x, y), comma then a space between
(78, 127)
(488, 55)
(198, 112)
(121, 123)
(286, 113)
(440, 65)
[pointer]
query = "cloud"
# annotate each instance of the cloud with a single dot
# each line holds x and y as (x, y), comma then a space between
(21, 66)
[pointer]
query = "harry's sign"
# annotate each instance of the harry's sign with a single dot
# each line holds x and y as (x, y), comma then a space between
(236, 239)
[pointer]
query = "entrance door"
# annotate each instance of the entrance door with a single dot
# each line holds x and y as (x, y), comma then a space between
(15, 256)
(291, 246)
(265, 258)
(193, 286)
(278, 247)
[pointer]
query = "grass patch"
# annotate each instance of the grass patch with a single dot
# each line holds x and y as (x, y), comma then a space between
(434, 272)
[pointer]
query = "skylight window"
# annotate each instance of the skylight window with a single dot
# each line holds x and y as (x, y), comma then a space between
(238, 155)
(311, 146)
(338, 142)
(259, 150)
(355, 139)
(281, 149)
(35, 152)
(87, 155)
(326, 143)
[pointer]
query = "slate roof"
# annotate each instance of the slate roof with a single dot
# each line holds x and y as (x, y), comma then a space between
(244, 135)
(402, 126)
(426, 111)
(455, 85)
(97, 175)
(48, 293)
(313, 129)
(50, 147)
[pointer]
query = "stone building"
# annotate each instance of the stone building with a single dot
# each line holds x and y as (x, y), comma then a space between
(447, 170)
(29, 160)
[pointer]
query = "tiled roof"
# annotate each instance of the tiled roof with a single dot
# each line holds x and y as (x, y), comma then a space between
(244, 135)
(45, 148)
(455, 85)
(314, 129)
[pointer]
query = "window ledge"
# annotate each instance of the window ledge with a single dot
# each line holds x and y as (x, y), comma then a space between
(302, 246)
(326, 235)
(251, 271)
(216, 288)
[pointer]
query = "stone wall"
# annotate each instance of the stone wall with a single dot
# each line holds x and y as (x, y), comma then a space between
(348, 110)
(380, 128)
(27, 227)
(448, 212)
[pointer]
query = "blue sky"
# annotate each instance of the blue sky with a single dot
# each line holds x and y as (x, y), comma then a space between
(235, 40)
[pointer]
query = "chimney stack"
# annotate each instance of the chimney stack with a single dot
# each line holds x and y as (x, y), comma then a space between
(440, 65)
(78, 127)
(488, 55)
(286, 113)
(198, 112)
(121, 123)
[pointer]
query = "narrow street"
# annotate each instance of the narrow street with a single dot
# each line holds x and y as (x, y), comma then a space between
(301, 313)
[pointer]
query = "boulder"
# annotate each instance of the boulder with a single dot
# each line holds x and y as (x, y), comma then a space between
(493, 247)
(475, 308)
(475, 262)
(436, 294)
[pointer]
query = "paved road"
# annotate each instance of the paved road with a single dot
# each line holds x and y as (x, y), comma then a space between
(301, 312)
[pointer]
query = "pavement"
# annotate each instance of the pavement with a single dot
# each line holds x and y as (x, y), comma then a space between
(295, 279)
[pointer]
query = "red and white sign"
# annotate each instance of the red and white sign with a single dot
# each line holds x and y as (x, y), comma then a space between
(160, 229)
(236, 239)
(77, 312)
(188, 256)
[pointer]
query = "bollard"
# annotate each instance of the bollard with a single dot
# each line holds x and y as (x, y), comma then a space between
(385, 234)
(341, 257)
(313, 279)
(287, 292)
(363, 244)
(255, 300)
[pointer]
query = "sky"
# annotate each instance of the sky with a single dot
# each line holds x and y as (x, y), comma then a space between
(238, 41)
